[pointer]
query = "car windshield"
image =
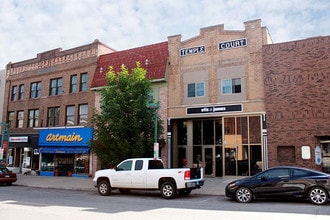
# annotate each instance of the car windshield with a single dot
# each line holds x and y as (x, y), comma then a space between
(3, 170)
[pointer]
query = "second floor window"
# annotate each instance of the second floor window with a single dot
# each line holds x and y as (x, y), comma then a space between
(20, 119)
(83, 114)
(35, 90)
(83, 82)
(11, 119)
(14, 93)
(73, 84)
(33, 118)
(53, 117)
(21, 92)
(70, 115)
(55, 86)
(196, 89)
(230, 86)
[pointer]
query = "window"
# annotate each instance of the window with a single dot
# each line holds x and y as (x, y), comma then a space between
(73, 84)
(125, 166)
(230, 86)
(196, 89)
(21, 92)
(138, 165)
(11, 119)
(20, 119)
(53, 116)
(14, 93)
(35, 90)
(33, 118)
(55, 86)
(69, 121)
(83, 114)
(83, 82)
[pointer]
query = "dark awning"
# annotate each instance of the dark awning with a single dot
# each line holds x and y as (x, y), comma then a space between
(64, 150)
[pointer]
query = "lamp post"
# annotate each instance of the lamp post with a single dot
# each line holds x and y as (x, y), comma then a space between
(156, 144)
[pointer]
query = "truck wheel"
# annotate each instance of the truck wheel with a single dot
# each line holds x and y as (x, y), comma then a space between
(168, 190)
(184, 192)
(104, 188)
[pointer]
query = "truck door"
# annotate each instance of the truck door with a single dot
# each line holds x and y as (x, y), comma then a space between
(139, 175)
(123, 175)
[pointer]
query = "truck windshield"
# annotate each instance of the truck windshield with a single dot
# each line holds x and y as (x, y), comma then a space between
(155, 164)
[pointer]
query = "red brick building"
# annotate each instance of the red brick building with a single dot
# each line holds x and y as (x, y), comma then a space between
(297, 88)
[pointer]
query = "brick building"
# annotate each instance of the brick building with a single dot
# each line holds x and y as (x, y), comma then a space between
(48, 105)
(297, 88)
(216, 100)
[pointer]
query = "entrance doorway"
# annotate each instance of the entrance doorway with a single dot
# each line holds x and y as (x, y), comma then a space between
(208, 160)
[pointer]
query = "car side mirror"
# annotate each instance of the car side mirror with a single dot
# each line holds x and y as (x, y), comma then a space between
(263, 178)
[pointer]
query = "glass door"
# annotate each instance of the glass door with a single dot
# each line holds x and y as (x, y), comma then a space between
(208, 161)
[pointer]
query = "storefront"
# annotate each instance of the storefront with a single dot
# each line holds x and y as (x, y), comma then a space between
(228, 145)
(65, 152)
(22, 153)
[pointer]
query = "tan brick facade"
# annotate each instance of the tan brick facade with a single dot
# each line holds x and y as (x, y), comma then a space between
(297, 87)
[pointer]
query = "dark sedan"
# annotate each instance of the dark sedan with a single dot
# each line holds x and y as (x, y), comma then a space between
(6, 176)
(282, 181)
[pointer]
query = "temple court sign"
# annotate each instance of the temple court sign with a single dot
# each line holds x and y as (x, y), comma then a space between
(233, 44)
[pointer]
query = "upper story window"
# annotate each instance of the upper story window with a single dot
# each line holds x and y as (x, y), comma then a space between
(70, 110)
(11, 119)
(73, 83)
(196, 89)
(83, 114)
(55, 86)
(33, 118)
(53, 117)
(230, 86)
(35, 91)
(83, 82)
(20, 119)
(21, 92)
(14, 93)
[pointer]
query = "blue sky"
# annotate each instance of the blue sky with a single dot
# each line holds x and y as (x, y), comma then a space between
(28, 27)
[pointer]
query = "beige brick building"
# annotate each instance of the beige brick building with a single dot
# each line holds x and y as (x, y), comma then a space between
(216, 103)
(48, 102)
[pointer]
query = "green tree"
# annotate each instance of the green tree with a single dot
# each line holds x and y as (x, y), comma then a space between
(124, 126)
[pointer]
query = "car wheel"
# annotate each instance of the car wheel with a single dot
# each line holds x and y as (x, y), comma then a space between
(104, 188)
(168, 190)
(244, 195)
(318, 196)
(184, 192)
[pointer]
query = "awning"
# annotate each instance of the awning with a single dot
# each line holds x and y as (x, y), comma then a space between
(64, 150)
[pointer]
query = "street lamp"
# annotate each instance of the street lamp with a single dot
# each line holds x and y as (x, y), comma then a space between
(156, 144)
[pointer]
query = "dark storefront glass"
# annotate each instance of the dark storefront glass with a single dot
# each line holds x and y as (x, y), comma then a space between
(182, 132)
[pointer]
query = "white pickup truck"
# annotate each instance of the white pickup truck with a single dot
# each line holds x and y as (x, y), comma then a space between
(148, 174)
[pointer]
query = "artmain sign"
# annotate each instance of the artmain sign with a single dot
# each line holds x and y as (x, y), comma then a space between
(65, 137)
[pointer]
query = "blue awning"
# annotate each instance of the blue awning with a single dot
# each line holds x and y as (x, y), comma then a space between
(64, 150)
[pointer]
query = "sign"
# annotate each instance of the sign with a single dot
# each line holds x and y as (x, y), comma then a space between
(306, 152)
(65, 137)
(233, 44)
(19, 139)
(156, 150)
(318, 155)
(214, 109)
(192, 50)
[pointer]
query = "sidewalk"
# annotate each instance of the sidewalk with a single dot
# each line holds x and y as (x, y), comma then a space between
(212, 186)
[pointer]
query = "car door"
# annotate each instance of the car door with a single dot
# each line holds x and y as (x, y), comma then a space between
(272, 182)
(139, 174)
(122, 177)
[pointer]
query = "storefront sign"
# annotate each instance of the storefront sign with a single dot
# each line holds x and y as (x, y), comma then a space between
(214, 109)
(233, 44)
(19, 139)
(192, 50)
(65, 137)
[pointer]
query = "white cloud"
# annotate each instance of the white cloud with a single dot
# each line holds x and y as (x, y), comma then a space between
(28, 27)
